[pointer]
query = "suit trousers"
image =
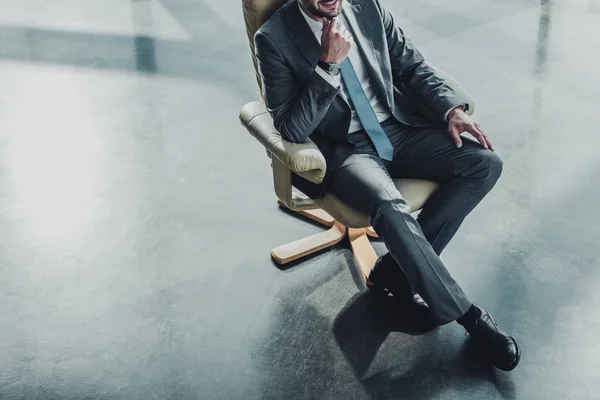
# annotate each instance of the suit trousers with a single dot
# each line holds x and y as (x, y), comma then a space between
(465, 176)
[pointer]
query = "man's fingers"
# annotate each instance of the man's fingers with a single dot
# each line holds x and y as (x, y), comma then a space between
(485, 136)
(474, 129)
(333, 24)
(481, 139)
(326, 25)
(347, 35)
(486, 142)
(487, 139)
(480, 128)
(478, 134)
(455, 135)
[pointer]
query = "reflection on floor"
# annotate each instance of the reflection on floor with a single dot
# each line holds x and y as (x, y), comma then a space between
(136, 214)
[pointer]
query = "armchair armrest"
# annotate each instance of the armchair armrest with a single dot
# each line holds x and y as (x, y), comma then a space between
(304, 159)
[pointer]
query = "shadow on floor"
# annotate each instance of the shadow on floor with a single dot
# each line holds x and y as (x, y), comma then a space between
(365, 323)
(428, 377)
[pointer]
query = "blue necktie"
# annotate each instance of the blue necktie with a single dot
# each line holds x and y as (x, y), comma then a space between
(365, 112)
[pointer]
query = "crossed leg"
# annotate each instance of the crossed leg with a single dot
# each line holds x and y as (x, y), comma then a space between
(465, 175)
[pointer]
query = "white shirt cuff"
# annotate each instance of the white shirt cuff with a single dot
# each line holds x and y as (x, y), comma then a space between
(332, 80)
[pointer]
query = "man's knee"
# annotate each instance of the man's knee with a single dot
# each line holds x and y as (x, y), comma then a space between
(485, 166)
(389, 206)
(495, 165)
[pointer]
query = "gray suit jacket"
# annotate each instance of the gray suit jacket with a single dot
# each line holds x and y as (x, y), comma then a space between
(304, 105)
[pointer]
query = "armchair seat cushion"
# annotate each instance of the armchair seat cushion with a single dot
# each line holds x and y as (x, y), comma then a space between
(415, 192)
(307, 161)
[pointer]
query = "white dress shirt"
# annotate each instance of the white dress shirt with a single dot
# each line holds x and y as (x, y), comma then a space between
(381, 110)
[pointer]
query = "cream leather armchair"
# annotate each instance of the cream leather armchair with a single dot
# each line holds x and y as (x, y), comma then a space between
(307, 161)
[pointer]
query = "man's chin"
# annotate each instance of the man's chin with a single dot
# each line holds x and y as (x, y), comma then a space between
(328, 15)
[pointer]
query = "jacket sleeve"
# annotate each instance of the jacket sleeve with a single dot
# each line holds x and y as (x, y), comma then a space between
(409, 66)
(296, 109)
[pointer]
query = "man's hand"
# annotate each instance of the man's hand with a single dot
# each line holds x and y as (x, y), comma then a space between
(460, 122)
(336, 42)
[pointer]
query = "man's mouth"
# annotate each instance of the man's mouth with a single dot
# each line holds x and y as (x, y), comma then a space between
(329, 4)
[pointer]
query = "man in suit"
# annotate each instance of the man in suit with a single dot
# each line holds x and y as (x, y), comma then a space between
(340, 72)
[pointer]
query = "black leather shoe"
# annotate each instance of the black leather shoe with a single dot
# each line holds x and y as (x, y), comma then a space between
(501, 348)
(387, 276)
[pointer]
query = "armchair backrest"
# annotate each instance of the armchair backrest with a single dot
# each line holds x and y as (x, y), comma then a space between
(256, 13)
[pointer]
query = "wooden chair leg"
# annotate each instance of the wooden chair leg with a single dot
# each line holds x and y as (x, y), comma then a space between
(319, 216)
(304, 247)
(363, 250)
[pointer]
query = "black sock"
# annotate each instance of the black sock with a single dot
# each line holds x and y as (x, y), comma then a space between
(471, 315)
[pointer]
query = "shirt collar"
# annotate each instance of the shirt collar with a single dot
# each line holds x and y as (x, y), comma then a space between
(314, 26)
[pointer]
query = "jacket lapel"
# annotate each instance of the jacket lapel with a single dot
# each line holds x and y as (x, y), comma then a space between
(300, 34)
(363, 38)
(361, 33)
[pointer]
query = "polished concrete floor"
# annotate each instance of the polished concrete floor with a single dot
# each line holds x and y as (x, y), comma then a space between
(137, 215)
